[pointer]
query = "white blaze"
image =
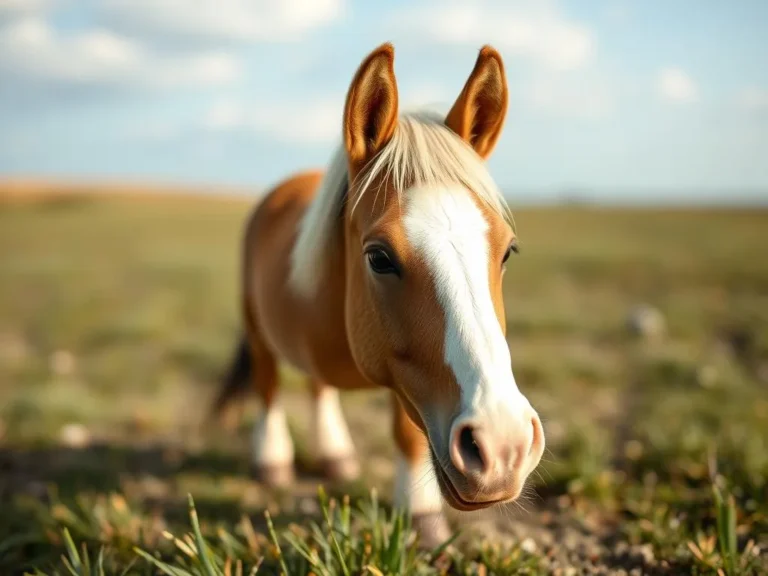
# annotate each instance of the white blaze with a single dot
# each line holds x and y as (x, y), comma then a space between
(450, 233)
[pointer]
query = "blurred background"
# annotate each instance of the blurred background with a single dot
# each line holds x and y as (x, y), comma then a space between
(137, 135)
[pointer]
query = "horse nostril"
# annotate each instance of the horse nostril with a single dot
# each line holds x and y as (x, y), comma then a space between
(538, 435)
(470, 451)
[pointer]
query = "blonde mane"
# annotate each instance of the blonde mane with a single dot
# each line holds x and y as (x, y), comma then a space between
(422, 152)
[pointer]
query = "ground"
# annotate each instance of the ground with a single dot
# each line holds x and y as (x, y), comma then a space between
(118, 314)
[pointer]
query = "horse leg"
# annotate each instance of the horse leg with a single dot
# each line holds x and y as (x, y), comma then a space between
(272, 446)
(416, 487)
(332, 442)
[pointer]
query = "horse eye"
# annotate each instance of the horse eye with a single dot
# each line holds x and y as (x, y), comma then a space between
(512, 248)
(380, 262)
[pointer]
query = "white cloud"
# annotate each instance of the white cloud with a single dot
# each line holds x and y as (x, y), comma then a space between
(317, 122)
(31, 49)
(564, 76)
(528, 28)
(676, 85)
(242, 20)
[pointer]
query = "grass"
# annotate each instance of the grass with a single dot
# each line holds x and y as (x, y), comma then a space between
(362, 540)
(118, 314)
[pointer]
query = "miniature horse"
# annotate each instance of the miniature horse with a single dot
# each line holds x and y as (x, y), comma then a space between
(387, 271)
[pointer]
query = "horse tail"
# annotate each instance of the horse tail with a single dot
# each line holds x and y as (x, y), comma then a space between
(236, 381)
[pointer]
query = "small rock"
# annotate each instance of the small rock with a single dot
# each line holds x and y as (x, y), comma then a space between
(528, 545)
(648, 556)
(646, 321)
(644, 552)
(62, 363)
(74, 435)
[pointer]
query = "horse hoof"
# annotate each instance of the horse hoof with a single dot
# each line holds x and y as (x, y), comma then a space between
(274, 475)
(341, 469)
(432, 529)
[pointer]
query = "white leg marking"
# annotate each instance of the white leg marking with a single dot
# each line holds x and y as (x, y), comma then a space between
(449, 231)
(331, 435)
(416, 487)
(271, 443)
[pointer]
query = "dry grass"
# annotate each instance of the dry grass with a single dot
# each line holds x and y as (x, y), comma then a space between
(117, 316)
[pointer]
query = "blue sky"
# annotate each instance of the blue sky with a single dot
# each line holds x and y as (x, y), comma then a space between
(626, 100)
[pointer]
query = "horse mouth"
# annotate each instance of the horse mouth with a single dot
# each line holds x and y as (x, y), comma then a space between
(451, 494)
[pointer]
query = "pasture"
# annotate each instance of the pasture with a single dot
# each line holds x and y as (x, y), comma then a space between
(118, 315)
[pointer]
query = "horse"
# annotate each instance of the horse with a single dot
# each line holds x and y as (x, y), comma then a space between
(385, 270)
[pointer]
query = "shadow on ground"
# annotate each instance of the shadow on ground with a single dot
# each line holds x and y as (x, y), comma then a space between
(165, 469)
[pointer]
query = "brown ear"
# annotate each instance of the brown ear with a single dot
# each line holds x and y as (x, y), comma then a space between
(478, 113)
(370, 112)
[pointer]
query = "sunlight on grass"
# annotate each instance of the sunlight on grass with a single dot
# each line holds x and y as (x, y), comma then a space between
(118, 317)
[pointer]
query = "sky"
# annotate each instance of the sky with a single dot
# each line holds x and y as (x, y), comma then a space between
(614, 100)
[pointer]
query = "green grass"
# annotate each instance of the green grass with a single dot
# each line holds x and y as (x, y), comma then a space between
(119, 314)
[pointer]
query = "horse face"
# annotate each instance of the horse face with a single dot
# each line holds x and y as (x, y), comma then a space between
(426, 310)
(424, 266)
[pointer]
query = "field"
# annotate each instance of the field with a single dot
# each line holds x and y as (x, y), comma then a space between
(118, 316)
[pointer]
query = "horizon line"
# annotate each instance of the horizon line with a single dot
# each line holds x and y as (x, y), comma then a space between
(19, 185)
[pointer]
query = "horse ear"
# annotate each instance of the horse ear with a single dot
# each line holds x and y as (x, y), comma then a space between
(371, 109)
(478, 114)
